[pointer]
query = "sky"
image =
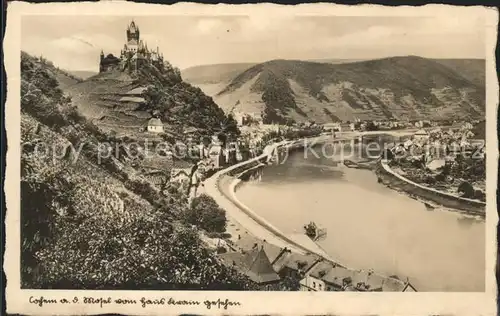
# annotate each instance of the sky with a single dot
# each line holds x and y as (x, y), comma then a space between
(75, 42)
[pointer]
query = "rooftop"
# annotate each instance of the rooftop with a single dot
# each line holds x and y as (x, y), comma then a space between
(421, 132)
(155, 122)
(255, 264)
(295, 261)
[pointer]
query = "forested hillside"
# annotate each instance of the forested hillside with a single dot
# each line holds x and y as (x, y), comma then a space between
(89, 222)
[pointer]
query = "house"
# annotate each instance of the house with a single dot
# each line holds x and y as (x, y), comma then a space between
(421, 134)
(469, 134)
(181, 176)
(158, 178)
(294, 265)
(327, 276)
(419, 124)
(155, 125)
(255, 264)
(399, 150)
(338, 279)
(467, 125)
(216, 154)
(436, 130)
(239, 117)
(345, 127)
(204, 151)
(332, 127)
(408, 143)
(408, 288)
(313, 280)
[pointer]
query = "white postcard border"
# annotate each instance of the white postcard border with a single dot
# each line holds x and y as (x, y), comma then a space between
(288, 303)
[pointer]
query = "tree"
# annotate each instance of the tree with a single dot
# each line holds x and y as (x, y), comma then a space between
(466, 190)
(145, 252)
(77, 232)
(388, 154)
(311, 230)
(230, 126)
(370, 126)
(155, 97)
(286, 283)
(206, 214)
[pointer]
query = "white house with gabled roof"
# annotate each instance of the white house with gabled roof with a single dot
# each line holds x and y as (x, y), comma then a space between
(155, 125)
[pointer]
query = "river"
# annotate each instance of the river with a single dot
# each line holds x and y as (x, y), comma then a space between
(370, 226)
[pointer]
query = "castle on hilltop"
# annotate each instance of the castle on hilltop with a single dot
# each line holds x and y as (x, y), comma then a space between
(135, 53)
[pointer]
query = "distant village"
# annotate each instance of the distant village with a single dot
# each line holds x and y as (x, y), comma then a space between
(430, 143)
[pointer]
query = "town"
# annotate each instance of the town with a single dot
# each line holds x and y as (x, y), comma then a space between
(164, 163)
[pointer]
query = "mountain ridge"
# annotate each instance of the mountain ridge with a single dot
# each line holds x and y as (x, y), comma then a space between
(386, 88)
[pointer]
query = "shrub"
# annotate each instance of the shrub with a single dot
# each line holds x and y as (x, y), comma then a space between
(441, 177)
(430, 180)
(287, 283)
(221, 250)
(105, 252)
(77, 233)
(480, 195)
(466, 190)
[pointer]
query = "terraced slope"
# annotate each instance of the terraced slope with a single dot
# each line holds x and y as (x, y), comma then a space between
(123, 102)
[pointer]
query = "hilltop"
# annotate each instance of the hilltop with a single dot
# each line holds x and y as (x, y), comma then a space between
(397, 87)
(215, 77)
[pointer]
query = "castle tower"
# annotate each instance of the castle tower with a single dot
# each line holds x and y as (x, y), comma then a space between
(132, 36)
(102, 55)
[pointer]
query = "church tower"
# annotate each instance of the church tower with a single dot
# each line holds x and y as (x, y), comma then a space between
(132, 36)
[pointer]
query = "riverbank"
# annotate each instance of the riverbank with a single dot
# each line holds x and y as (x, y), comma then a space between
(221, 187)
(248, 227)
(394, 180)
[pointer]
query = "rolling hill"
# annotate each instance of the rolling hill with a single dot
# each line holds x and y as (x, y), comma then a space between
(397, 87)
(224, 73)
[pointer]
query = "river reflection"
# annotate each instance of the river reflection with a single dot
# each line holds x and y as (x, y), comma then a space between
(370, 226)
